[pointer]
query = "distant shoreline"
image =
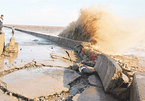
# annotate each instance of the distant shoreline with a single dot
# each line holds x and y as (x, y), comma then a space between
(35, 26)
(44, 29)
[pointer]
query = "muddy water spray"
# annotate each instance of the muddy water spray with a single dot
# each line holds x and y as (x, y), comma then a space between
(105, 31)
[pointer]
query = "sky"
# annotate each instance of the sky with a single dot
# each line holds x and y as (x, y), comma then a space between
(62, 12)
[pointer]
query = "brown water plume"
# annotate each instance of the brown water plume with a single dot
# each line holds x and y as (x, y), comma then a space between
(106, 32)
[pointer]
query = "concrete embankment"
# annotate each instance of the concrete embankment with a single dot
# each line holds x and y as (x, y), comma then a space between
(110, 72)
(58, 40)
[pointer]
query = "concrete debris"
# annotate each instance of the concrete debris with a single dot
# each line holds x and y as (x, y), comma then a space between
(125, 78)
(81, 69)
(87, 69)
(77, 86)
(109, 72)
(93, 94)
(74, 67)
(115, 76)
(95, 80)
(137, 87)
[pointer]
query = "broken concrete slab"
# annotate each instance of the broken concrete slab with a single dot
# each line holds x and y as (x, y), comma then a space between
(78, 85)
(4, 97)
(109, 72)
(95, 80)
(137, 90)
(93, 94)
(43, 81)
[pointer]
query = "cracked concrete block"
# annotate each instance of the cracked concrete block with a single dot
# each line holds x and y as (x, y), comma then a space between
(95, 80)
(94, 94)
(36, 82)
(109, 72)
(76, 89)
(74, 67)
(137, 90)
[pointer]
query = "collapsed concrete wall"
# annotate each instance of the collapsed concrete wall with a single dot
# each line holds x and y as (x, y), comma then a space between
(110, 72)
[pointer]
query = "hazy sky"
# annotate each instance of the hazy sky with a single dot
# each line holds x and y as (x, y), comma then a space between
(62, 12)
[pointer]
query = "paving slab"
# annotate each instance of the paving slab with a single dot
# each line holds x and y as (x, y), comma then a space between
(94, 94)
(36, 82)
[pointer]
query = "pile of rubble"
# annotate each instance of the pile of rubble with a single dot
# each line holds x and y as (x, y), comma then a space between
(116, 76)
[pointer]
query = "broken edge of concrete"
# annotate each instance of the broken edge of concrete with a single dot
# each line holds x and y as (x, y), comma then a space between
(138, 87)
(109, 72)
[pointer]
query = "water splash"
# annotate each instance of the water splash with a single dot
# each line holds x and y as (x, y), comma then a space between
(106, 32)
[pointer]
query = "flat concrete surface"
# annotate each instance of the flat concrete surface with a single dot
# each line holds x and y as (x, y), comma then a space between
(137, 91)
(93, 94)
(38, 82)
(4, 97)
